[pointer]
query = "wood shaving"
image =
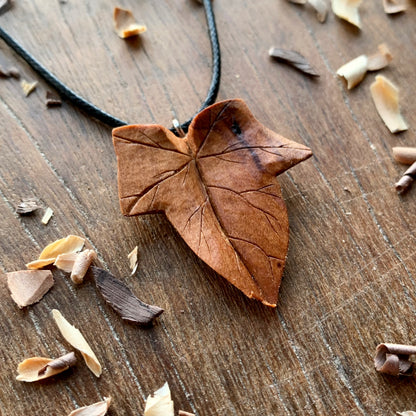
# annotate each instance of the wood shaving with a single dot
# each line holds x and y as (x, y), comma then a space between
(28, 87)
(81, 264)
(52, 100)
(39, 368)
(159, 403)
(393, 359)
(125, 24)
(386, 99)
(321, 9)
(347, 10)
(294, 59)
(405, 155)
(66, 261)
(29, 286)
(96, 409)
(27, 206)
(354, 71)
(407, 413)
(183, 413)
(406, 180)
(14, 72)
(133, 259)
(46, 216)
(124, 302)
(5, 5)
(380, 59)
(70, 244)
(394, 6)
(76, 339)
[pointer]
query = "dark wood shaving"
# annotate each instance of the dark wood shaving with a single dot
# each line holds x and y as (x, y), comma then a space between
(393, 359)
(65, 361)
(27, 206)
(407, 179)
(294, 59)
(124, 302)
(52, 100)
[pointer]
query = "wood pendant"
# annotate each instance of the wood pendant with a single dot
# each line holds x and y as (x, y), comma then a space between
(218, 188)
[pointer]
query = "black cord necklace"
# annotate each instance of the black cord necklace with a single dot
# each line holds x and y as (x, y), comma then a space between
(103, 116)
(217, 185)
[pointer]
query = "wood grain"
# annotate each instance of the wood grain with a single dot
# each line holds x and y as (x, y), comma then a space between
(349, 281)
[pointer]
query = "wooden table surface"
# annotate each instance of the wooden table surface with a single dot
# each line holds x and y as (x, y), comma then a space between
(349, 282)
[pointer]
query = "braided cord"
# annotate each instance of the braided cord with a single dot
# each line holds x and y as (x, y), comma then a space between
(103, 116)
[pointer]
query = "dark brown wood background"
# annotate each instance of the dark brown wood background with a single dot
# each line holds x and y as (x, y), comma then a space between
(349, 282)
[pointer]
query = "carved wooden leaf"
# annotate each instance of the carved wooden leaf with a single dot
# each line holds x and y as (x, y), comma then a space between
(218, 188)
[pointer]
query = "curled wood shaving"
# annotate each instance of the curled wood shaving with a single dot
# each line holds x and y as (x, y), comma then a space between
(354, 71)
(393, 359)
(66, 261)
(133, 260)
(125, 24)
(124, 302)
(347, 10)
(386, 99)
(47, 216)
(405, 155)
(159, 403)
(406, 180)
(294, 59)
(29, 286)
(70, 244)
(96, 409)
(27, 206)
(28, 87)
(321, 9)
(39, 368)
(76, 339)
(82, 263)
(394, 6)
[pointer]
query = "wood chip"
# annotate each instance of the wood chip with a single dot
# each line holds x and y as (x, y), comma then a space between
(380, 59)
(125, 24)
(5, 5)
(76, 339)
(393, 359)
(29, 286)
(27, 206)
(66, 261)
(133, 259)
(39, 368)
(28, 87)
(405, 155)
(159, 403)
(183, 413)
(96, 409)
(386, 99)
(294, 59)
(46, 216)
(70, 244)
(321, 9)
(81, 264)
(406, 180)
(354, 71)
(52, 100)
(347, 10)
(394, 6)
(124, 302)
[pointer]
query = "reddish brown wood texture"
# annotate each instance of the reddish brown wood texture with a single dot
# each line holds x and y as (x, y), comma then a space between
(349, 280)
